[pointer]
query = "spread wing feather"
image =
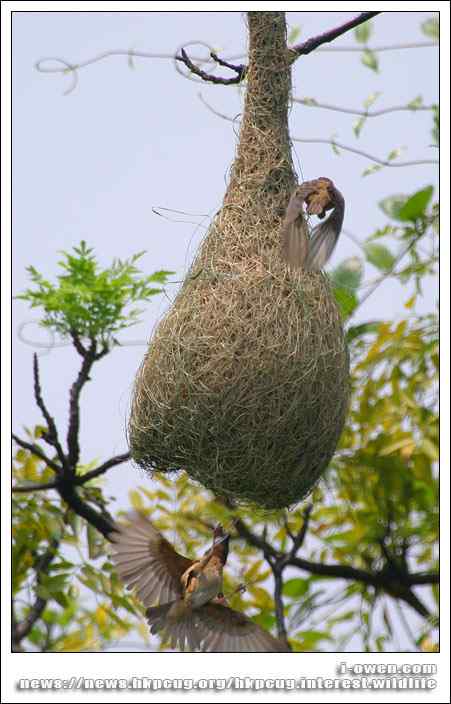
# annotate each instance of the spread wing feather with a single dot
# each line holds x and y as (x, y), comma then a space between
(225, 630)
(322, 244)
(146, 561)
(294, 232)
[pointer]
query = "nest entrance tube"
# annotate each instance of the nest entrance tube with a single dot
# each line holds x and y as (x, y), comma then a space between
(245, 382)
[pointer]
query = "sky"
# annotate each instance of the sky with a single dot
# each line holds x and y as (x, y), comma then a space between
(95, 164)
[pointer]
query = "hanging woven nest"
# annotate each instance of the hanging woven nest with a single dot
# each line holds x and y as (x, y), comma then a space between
(245, 382)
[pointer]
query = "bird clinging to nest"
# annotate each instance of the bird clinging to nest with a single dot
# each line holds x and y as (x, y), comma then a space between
(298, 249)
(184, 597)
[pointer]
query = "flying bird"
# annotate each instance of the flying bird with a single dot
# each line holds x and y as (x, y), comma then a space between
(184, 598)
(319, 196)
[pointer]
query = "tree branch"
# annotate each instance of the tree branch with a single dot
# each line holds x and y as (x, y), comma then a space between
(331, 142)
(314, 42)
(89, 357)
(69, 494)
(23, 628)
(388, 273)
(112, 462)
(300, 537)
(278, 602)
(26, 488)
(378, 580)
(37, 453)
(312, 103)
(366, 155)
(209, 77)
(52, 434)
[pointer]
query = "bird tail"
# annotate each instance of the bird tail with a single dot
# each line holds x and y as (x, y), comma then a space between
(177, 623)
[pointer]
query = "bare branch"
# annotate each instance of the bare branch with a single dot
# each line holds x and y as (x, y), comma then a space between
(52, 434)
(331, 142)
(90, 356)
(69, 494)
(209, 77)
(98, 471)
(37, 452)
(388, 273)
(366, 155)
(312, 103)
(26, 488)
(399, 587)
(23, 628)
(314, 42)
(298, 540)
(278, 602)
(380, 48)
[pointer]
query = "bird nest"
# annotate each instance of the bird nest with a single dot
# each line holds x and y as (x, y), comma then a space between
(245, 382)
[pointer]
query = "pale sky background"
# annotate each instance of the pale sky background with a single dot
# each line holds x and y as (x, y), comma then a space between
(91, 165)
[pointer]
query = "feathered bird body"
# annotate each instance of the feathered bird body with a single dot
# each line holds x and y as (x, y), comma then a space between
(184, 597)
(298, 249)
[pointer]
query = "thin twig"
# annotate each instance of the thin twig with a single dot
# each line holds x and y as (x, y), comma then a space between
(209, 77)
(390, 272)
(37, 452)
(380, 48)
(314, 42)
(26, 488)
(69, 494)
(331, 142)
(300, 537)
(310, 102)
(98, 471)
(89, 355)
(22, 629)
(79, 480)
(278, 603)
(366, 155)
(51, 436)
(378, 580)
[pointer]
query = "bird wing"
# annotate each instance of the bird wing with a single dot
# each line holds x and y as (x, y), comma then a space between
(293, 235)
(146, 561)
(180, 629)
(322, 244)
(224, 630)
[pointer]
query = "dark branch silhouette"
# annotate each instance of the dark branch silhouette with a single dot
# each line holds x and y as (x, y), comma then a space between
(21, 629)
(209, 77)
(398, 586)
(314, 42)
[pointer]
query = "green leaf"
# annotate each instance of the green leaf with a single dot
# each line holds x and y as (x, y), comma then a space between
(358, 126)
(295, 588)
(356, 331)
(379, 256)
(335, 149)
(436, 126)
(431, 28)
(415, 103)
(394, 154)
(369, 59)
(294, 33)
(392, 205)
(347, 300)
(348, 274)
(372, 169)
(371, 99)
(415, 206)
(363, 32)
